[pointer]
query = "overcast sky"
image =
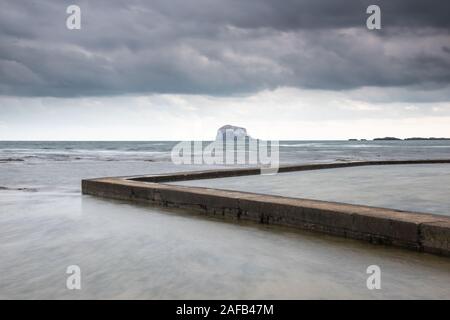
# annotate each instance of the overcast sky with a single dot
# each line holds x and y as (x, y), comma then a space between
(179, 69)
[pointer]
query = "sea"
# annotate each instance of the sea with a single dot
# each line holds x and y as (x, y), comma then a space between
(133, 251)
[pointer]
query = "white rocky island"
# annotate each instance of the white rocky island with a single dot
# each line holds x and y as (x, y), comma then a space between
(229, 132)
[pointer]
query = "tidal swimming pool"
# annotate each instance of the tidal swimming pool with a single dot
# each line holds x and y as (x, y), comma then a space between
(131, 251)
(418, 187)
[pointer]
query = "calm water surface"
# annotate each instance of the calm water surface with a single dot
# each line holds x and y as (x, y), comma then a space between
(133, 251)
(423, 188)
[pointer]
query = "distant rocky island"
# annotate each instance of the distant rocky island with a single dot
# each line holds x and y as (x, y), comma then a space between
(398, 139)
(387, 139)
(229, 132)
(413, 138)
(431, 138)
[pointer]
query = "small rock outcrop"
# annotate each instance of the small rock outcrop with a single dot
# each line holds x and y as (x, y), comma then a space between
(229, 132)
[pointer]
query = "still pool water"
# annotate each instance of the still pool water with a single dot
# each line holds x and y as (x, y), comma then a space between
(131, 251)
(423, 188)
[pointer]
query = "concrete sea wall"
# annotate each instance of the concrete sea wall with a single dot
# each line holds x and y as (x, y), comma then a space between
(417, 231)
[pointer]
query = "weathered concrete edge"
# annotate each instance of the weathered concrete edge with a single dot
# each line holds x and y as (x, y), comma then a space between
(418, 231)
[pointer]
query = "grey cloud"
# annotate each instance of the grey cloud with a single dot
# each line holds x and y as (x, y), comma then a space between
(220, 47)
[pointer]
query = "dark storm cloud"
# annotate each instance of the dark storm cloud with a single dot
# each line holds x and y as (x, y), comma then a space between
(220, 47)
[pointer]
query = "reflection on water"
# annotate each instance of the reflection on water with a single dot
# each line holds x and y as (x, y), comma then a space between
(423, 188)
